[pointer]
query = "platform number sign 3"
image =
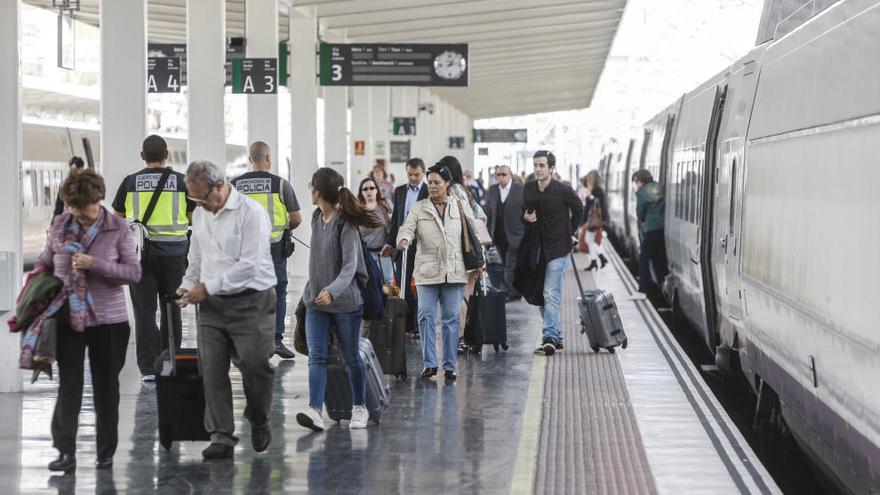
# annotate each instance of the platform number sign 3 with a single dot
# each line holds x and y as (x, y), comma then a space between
(255, 76)
(336, 75)
(163, 75)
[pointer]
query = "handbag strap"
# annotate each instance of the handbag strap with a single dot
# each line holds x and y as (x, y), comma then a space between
(155, 197)
(464, 232)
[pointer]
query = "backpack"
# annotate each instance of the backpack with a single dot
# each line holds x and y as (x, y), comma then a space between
(371, 290)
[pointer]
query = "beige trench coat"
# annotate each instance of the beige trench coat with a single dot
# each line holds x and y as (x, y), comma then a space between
(438, 255)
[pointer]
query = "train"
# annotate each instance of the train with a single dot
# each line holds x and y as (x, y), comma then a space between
(772, 227)
(46, 149)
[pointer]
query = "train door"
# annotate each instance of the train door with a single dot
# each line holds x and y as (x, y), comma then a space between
(710, 170)
(627, 201)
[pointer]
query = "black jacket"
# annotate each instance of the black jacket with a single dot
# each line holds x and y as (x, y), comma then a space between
(559, 213)
(397, 218)
(513, 224)
(598, 195)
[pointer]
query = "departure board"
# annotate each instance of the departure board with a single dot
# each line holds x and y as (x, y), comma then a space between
(394, 64)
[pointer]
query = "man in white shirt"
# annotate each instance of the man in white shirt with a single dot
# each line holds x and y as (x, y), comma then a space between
(232, 278)
(505, 225)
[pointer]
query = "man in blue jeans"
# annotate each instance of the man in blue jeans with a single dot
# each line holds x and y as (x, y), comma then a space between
(276, 196)
(555, 210)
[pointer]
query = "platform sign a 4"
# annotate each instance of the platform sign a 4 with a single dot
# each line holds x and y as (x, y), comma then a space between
(255, 76)
(163, 75)
(394, 64)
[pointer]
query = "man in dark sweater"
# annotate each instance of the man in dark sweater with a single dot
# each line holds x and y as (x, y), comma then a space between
(555, 210)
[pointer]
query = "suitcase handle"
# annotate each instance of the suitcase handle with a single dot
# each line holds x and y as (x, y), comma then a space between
(577, 277)
(172, 347)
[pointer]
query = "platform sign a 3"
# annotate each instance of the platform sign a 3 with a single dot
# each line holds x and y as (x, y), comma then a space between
(163, 75)
(255, 76)
(394, 64)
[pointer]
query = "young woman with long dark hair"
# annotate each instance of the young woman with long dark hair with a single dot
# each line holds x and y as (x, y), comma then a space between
(370, 195)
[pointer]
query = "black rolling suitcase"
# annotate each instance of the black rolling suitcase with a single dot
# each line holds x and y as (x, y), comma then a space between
(600, 319)
(388, 336)
(493, 311)
(337, 396)
(495, 268)
(180, 393)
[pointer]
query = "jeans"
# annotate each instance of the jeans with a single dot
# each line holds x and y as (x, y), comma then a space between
(653, 252)
(385, 265)
(161, 277)
(449, 296)
(318, 337)
(280, 263)
(107, 345)
(553, 279)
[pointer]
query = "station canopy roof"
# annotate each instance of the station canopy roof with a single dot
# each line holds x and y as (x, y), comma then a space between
(526, 56)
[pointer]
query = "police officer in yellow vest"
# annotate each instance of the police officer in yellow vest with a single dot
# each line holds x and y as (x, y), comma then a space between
(164, 263)
(275, 195)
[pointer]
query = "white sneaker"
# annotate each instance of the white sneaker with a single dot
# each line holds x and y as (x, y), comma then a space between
(311, 419)
(148, 378)
(359, 418)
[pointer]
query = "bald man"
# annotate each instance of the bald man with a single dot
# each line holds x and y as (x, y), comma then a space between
(276, 196)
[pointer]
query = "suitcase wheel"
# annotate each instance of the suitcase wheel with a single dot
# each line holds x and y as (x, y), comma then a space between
(505, 346)
(495, 346)
(401, 376)
(165, 437)
(595, 348)
(624, 343)
(611, 350)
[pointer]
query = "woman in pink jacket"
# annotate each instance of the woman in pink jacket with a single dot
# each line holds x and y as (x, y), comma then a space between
(93, 253)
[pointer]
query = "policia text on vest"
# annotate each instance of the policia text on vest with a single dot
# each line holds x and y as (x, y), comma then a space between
(273, 193)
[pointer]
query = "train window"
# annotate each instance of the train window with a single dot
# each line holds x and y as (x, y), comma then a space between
(691, 183)
(732, 196)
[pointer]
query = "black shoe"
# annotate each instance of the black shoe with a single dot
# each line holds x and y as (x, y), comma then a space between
(283, 352)
(104, 463)
(450, 375)
(476, 349)
(549, 348)
(64, 462)
(462, 347)
(260, 438)
(558, 346)
(593, 266)
(218, 451)
(429, 372)
(603, 260)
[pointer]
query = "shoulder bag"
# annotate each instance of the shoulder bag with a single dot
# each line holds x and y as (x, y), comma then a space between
(139, 227)
(471, 249)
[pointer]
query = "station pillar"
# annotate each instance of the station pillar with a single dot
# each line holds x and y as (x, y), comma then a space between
(261, 30)
(336, 130)
(206, 80)
(361, 109)
(380, 125)
(10, 189)
(303, 86)
(123, 89)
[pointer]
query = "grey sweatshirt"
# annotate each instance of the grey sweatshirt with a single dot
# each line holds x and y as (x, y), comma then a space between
(336, 262)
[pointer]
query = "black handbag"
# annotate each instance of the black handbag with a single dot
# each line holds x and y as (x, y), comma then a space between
(473, 327)
(471, 249)
(287, 245)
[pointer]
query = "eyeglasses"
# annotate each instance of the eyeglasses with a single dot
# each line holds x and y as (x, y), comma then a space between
(200, 201)
(501, 174)
(369, 188)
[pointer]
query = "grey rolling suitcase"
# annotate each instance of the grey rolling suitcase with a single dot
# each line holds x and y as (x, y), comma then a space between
(337, 397)
(600, 319)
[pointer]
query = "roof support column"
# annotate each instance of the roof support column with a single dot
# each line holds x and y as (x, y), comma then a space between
(380, 123)
(336, 130)
(123, 88)
(261, 28)
(10, 187)
(360, 131)
(206, 46)
(303, 86)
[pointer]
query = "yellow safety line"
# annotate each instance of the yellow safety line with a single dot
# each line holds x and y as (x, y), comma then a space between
(527, 454)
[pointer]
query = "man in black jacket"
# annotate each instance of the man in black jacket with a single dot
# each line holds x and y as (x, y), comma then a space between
(504, 202)
(559, 210)
(405, 197)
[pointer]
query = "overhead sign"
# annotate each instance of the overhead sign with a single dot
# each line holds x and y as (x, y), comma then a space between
(379, 148)
(501, 135)
(163, 75)
(482, 151)
(165, 50)
(404, 126)
(400, 151)
(255, 76)
(394, 64)
(456, 142)
(360, 148)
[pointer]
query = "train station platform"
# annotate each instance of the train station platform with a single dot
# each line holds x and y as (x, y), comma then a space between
(639, 421)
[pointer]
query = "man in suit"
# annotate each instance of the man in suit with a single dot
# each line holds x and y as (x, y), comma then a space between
(505, 225)
(405, 197)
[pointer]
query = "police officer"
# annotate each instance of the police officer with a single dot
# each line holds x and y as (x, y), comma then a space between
(276, 196)
(163, 260)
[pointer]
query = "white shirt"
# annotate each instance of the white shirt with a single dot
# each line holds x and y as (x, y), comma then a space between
(504, 191)
(412, 195)
(229, 250)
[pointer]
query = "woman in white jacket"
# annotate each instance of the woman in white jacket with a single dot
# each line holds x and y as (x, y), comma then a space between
(440, 275)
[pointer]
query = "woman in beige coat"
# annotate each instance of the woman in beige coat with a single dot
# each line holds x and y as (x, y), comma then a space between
(440, 275)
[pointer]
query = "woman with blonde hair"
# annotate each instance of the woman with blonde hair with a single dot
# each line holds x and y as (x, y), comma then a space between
(595, 216)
